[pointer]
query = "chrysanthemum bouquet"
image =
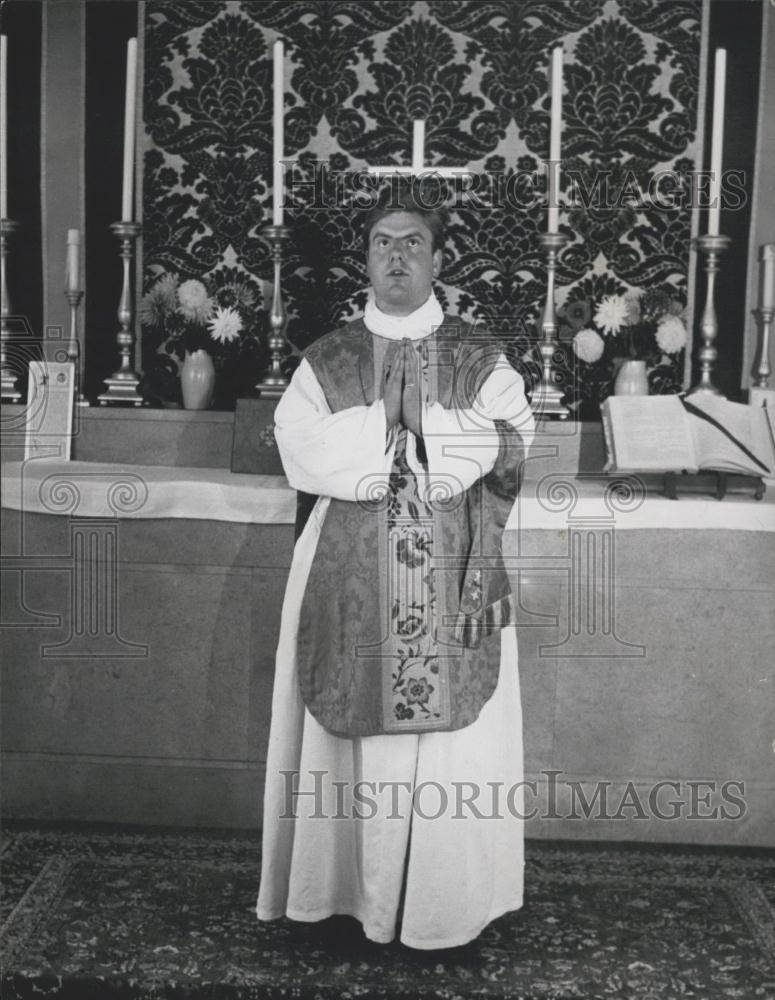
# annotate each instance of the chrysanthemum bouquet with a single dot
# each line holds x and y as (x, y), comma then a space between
(222, 315)
(191, 316)
(649, 327)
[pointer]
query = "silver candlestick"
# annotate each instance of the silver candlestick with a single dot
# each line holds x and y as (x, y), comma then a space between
(10, 394)
(122, 384)
(763, 372)
(74, 348)
(547, 397)
(274, 383)
(712, 247)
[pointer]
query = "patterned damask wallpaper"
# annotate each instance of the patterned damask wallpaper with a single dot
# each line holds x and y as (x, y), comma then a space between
(357, 74)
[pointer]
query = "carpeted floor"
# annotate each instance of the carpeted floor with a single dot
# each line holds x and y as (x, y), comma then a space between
(96, 914)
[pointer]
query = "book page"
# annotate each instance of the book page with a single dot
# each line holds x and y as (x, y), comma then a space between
(770, 414)
(763, 438)
(610, 451)
(650, 434)
(769, 427)
(715, 450)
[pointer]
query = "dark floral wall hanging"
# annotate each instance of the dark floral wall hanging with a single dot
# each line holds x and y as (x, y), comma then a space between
(357, 74)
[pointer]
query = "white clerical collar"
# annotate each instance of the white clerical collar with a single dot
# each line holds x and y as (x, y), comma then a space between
(418, 324)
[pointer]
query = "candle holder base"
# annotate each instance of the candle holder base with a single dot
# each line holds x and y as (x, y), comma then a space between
(122, 391)
(705, 390)
(269, 391)
(546, 402)
(9, 392)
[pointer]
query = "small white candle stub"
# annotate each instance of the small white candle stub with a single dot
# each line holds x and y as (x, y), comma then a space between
(73, 248)
(768, 276)
(555, 132)
(278, 123)
(418, 145)
(4, 126)
(717, 141)
(130, 100)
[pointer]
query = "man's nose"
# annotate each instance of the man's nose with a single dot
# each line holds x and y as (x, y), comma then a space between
(396, 252)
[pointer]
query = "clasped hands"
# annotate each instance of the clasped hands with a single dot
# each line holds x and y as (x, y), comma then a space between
(401, 391)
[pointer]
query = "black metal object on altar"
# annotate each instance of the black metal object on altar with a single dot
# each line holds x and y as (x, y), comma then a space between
(716, 484)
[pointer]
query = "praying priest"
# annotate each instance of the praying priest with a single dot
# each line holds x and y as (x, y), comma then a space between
(395, 754)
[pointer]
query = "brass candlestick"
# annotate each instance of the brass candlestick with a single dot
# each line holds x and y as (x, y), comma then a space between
(74, 350)
(764, 316)
(712, 247)
(10, 394)
(122, 384)
(547, 397)
(274, 383)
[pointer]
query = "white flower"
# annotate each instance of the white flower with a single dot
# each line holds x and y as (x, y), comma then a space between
(671, 335)
(148, 311)
(239, 293)
(166, 288)
(225, 324)
(611, 314)
(160, 301)
(194, 302)
(588, 345)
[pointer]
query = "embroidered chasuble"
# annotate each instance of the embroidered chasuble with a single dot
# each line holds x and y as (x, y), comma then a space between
(390, 626)
(399, 630)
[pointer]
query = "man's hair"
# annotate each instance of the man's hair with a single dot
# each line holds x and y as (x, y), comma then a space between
(409, 196)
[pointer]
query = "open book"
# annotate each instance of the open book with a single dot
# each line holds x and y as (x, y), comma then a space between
(659, 434)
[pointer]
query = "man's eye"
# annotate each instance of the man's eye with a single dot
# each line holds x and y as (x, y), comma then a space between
(413, 241)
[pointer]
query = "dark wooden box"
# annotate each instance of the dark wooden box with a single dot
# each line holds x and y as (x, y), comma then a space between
(253, 446)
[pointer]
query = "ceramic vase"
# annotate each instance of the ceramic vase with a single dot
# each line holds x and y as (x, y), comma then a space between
(631, 379)
(197, 380)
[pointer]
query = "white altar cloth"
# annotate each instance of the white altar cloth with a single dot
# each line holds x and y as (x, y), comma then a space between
(103, 489)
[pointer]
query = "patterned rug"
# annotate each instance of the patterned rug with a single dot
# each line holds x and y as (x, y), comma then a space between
(97, 913)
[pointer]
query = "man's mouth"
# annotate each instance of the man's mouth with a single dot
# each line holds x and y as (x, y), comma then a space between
(397, 272)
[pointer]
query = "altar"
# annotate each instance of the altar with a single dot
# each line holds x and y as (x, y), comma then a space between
(143, 579)
(645, 643)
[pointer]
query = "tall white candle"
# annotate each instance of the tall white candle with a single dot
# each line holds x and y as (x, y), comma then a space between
(278, 180)
(4, 126)
(418, 145)
(130, 99)
(554, 141)
(768, 276)
(73, 247)
(717, 143)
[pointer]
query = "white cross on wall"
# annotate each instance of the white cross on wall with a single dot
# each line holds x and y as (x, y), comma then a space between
(418, 167)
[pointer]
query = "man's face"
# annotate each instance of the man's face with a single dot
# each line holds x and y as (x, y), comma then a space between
(401, 262)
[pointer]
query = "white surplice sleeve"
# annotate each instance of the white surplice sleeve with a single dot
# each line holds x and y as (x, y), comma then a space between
(462, 444)
(345, 455)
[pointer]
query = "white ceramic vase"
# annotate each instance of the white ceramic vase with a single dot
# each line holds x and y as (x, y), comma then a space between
(197, 380)
(631, 379)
